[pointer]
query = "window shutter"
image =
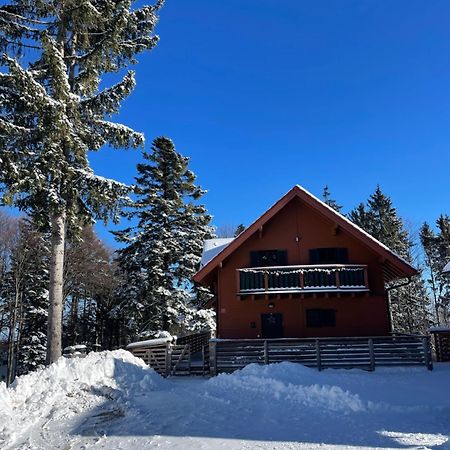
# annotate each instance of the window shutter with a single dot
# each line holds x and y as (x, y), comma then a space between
(314, 256)
(342, 256)
(254, 259)
(282, 257)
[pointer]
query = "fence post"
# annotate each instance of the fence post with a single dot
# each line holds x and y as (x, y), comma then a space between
(371, 355)
(318, 357)
(427, 353)
(266, 352)
(212, 358)
(205, 355)
(168, 359)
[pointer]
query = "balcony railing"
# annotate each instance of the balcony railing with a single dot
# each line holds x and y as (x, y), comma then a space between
(306, 278)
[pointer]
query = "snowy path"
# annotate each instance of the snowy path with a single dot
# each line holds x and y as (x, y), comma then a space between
(112, 401)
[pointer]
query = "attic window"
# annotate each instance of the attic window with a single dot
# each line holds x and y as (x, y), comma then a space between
(266, 258)
(329, 255)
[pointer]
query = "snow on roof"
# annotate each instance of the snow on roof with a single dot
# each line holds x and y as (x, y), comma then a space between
(212, 247)
(446, 268)
(438, 329)
(158, 341)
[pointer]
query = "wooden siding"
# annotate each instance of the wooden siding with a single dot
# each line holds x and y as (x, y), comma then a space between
(298, 228)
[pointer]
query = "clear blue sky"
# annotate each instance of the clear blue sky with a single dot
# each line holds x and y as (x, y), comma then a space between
(265, 94)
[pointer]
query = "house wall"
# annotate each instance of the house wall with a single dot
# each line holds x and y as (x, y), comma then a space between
(361, 315)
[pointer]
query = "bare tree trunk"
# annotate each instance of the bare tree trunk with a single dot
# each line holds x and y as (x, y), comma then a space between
(55, 309)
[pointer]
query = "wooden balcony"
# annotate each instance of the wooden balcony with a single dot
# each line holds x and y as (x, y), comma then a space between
(302, 279)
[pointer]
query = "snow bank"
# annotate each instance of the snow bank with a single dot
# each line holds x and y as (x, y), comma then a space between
(111, 400)
(287, 383)
(70, 386)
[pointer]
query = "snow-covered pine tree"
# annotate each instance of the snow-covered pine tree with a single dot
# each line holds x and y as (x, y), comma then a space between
(163, 250)
(380, 219)
(443, 225)
(436, 247)
(53, 113)
(24, 293)
(32, 337)
(408, 304)
(8, 238)
(327, 199)
(360, 217)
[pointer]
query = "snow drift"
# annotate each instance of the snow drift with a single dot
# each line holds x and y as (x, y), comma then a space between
(112, 400)
(71, 386)
(290, 383)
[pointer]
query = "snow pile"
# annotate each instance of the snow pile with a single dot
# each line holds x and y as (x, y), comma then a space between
(71, 386)
(288, 383)
(111, 400)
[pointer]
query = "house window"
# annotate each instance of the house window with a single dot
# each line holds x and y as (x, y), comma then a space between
(266, 258)
(316, 318)
(328, 256)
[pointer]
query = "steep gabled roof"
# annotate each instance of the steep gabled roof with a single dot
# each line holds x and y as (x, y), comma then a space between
(394, 266)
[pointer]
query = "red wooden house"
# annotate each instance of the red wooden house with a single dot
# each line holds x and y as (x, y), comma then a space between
(301, 270)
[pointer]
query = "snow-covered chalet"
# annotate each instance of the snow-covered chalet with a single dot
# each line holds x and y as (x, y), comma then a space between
(300, 270)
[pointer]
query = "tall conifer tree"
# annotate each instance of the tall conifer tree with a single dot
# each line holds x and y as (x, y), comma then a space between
(32, 337)
(327, 199)
(24, 294)
(436, 246)
(163, 250)
(408, 304)
(53, 113)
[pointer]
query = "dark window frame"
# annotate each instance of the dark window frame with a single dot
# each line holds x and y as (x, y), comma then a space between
(320, 317)
(328, 255)
(268, 258)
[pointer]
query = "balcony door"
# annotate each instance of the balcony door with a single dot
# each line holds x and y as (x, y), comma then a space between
(272, 326)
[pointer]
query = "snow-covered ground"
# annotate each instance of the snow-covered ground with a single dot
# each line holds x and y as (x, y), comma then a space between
(111, 400)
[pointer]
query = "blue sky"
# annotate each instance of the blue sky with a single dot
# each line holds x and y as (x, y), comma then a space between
(265, 94)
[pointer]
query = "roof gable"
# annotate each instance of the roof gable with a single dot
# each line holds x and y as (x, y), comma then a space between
(394, 265)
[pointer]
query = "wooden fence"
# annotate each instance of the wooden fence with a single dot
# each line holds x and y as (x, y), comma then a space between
(227, 355)
(442, 344)
(196, 341)
(187, 355)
